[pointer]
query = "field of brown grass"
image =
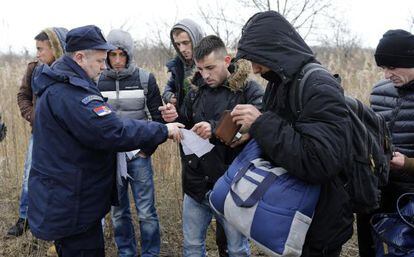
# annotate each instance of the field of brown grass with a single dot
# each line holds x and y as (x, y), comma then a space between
(358, 72)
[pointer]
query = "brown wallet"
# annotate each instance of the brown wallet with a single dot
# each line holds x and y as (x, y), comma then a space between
(226, 128)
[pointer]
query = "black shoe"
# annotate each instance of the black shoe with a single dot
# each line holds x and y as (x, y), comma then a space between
(17, 230)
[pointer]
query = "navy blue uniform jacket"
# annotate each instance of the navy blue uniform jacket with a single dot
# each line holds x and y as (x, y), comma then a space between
(72, 179)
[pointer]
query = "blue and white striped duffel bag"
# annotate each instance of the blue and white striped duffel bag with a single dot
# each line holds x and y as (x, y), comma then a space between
(265, 203)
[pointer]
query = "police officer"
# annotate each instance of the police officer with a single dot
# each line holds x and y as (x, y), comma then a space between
(76, 137)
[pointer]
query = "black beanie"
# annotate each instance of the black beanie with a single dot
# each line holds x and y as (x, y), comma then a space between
(396, 49)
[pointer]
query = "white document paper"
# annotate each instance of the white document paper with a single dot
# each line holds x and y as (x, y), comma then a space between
(186, 150)
(132, 154)
(192, 143)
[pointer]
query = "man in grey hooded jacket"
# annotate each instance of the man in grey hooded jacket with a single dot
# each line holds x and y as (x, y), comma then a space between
(133, 93)
(184, 36)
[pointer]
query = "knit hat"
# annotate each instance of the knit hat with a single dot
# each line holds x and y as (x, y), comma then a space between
(396, 49)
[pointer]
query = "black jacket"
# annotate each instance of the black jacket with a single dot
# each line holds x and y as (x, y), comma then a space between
(175, 82)
(314, 146)
(204, 103)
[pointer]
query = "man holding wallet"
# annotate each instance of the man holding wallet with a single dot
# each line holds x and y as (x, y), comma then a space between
(314, 145)
(221, 85)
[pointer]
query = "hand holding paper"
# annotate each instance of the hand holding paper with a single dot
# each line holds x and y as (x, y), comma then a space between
(193, 144)
(203, 129)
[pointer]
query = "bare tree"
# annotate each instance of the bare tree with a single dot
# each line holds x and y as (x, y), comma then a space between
(218, 20)
(160, 37)
(411, 23)
(226, 21)
(340, 37)
(302, 14)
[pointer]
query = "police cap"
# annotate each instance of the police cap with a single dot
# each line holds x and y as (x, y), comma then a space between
(86, 37)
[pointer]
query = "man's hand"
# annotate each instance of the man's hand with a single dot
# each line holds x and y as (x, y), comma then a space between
(203, 129)
(168, 112)
(243, 139)
(174, 131)
(397, 161)
(245, 115)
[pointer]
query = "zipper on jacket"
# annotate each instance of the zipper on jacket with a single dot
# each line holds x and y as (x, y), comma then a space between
(117, 93)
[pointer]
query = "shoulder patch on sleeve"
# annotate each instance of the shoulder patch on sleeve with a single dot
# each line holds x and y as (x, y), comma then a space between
(91, 98)
(102, 110)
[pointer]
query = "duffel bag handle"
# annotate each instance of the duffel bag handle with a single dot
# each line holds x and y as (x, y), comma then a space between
(403, 215)
(257, 193)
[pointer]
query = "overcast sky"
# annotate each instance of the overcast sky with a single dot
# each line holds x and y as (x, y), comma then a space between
(21, 20)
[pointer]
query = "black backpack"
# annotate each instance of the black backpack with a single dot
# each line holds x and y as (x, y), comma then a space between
(371, 148)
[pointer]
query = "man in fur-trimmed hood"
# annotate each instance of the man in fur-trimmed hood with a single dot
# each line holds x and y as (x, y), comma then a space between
(50, 45)
(220, 85)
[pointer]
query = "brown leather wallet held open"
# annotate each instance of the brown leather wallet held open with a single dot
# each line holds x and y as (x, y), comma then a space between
(226, 128)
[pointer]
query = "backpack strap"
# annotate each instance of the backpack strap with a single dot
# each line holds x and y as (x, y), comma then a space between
(296, 91)
(144, 78)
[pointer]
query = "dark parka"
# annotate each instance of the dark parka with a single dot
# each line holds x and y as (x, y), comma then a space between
(396, 104)
(174, 84)
(314, 147)
(204, 103)
(75, 140)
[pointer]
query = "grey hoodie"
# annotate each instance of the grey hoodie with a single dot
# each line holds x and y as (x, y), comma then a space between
(124, 89)
(177, 66)
(193, 30)
(122, 40)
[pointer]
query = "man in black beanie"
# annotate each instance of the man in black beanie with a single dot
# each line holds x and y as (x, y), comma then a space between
(393, 98)
(395, 50)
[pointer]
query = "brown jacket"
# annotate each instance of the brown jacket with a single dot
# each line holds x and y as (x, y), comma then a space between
(25, 97)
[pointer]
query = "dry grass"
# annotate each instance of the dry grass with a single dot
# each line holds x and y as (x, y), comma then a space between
(358, 72)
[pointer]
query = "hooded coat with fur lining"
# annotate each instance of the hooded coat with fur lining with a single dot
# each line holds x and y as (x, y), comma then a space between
(26, 99)
(205, 103)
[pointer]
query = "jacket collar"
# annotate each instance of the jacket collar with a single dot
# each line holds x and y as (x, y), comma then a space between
(79, 78)
(239, 73)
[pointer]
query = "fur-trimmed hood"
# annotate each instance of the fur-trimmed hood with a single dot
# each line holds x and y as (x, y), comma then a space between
(239, 73)
(57, 38)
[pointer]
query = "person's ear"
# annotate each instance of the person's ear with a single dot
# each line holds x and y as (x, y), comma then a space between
(227, 60)
(79, 58)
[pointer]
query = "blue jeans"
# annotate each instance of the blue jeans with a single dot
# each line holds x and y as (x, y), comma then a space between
(24, 197)
(142, 186)
(196, 219)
